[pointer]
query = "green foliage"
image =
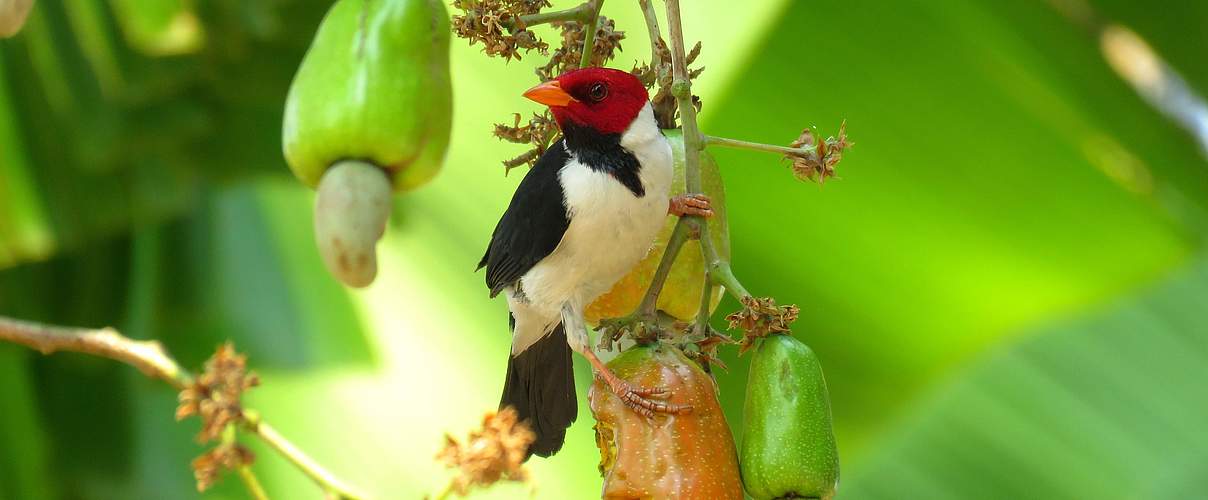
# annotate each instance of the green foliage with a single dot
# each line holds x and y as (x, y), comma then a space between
(1107, 405)
(980, 196)
(109, 135)
(24, 474)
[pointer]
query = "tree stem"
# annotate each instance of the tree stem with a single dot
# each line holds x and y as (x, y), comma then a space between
(652, 30)
(150, 358)
(589, 33)
(706, 301)
(250, 481)
(721, 273)
(679, 236)
(254, 488)
(583, 12)
(681, 88)
(146, 355)
(326, 480)
(710, 140)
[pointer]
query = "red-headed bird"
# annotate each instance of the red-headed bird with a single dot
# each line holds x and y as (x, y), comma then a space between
(584, 215)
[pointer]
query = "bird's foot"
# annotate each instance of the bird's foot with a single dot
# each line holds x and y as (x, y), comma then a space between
(691, 204)
(646, 401)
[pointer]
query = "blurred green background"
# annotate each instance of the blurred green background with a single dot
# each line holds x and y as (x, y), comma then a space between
(1007, 287)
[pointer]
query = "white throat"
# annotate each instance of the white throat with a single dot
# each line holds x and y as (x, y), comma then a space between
(643, 131)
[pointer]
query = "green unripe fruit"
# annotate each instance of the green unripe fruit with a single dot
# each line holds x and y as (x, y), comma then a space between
(373, 87)
(788, 444)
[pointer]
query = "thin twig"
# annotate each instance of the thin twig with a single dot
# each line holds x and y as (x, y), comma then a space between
(589, 33)
(583, 13)
(710, 140)
(252, 483)
(679, 235)
(652, 30)
(706, 302)
(146, 355)
(150, 358)
(326, 480)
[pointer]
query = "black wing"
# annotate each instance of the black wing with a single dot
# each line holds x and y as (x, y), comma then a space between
(533, 224)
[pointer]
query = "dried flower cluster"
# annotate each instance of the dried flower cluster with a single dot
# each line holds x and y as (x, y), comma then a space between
(568, 57)
(658, 74)
(819, 163)
(492, 454)
(539, 131)
(215, 397)
(638, 328)
(208, 468)
(498, 25)
(701, 346)
(760, 317)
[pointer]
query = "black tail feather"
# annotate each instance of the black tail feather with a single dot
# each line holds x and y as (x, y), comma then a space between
(541, 386)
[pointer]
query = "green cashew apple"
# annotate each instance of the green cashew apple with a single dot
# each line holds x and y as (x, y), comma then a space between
(373, 89)
(788, 445)
(682, 292)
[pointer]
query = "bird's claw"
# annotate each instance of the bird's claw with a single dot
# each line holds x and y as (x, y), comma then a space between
(691, 204)
(646, 401)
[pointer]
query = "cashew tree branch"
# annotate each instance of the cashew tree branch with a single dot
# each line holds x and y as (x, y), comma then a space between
(149, 357)
(584, 12)
(718, 269)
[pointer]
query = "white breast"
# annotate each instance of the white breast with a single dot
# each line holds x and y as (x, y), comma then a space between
(611, 229)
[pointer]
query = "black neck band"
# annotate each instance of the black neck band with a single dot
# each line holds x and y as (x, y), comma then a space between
(604, 153)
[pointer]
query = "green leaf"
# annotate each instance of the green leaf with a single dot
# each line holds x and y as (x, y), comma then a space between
(1108, 405)
(25, 471)
(246, 269)
(1001, 175)
(24, 230)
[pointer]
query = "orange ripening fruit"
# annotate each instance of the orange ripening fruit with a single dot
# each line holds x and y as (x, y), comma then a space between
(688, 456)
(681, 293)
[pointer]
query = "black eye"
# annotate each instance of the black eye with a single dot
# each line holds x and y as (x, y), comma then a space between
(597, 92)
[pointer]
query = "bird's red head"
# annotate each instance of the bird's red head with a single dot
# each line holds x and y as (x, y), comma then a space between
(605, 99)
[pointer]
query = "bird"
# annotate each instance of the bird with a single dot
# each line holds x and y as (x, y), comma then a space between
(581, 218)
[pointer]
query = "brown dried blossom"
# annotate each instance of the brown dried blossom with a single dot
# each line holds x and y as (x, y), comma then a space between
(818, 163)
(492, 454)
(208, 468)
(540, 131)
(658, 74)
(215, 395)
(701, 346)
(498, 25)
(612, 330)
(760, 317)
(605, 44)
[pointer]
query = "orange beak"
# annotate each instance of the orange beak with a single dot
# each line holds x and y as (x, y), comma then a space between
(550, 94)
